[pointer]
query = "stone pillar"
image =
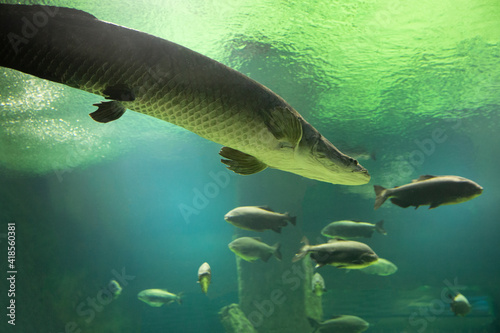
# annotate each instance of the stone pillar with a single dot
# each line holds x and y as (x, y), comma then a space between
(276, 295)
(234, 320)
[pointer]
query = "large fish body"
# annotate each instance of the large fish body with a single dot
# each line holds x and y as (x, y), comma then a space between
(382, 267)
(429, 190)
(158, 297)
(339, 253)
(340, 324)
(204, 276)
(258, 218)
(252, 248)
(352, 229)
(153, 76)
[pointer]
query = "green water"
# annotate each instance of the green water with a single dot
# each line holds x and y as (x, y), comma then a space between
(413, 84)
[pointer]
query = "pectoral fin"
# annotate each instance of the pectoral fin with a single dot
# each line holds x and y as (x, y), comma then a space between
(108, 111)
(119, 92)
(434, 205)
(277, 229)
(285, 126)
(240, 162)
(400, 202)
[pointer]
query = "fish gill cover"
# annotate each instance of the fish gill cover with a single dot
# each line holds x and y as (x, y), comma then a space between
(362, 72)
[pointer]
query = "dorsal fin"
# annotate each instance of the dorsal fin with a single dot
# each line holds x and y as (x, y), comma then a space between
(266, 208)
(422, 178)
(336, 316)
(333, 240)
(52, 11)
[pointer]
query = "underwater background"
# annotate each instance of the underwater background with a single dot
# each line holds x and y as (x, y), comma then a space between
(409, 88)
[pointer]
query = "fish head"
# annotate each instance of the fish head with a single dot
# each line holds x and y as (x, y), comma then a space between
(204, 270)
(464, 189)
(473, 189)
(228, 217)
(368, 258)
(322, 161)
(237, 246)
(114, 287)
(144, 296)
(233, 216)
(232, 246)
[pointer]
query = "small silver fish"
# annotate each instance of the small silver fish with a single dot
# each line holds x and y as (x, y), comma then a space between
(340, 324)
(158, 297)
(251, 249)
(204, 276)
(318, 284)
(258, 218)
(429, 190)
(115, 288)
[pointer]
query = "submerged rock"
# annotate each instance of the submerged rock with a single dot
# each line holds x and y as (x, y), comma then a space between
(234, 320)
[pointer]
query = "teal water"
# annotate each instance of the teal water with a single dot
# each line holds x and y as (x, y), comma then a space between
(414, 85)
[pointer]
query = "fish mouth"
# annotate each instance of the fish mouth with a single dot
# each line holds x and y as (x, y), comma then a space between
(354, 177)
(335, 167)
(351, 178)
(333, 172)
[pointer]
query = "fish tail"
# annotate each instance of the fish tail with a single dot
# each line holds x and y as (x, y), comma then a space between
(204, 283)
(277, 251)
(303, 250)
(314, 323)
(381, 195)
(179, 297)
(264, 257)
(379, 226)
(292, 219)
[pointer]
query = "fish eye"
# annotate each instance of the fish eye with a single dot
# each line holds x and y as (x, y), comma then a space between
(352, 161)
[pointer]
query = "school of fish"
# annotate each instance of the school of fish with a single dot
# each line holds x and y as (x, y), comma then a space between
(256, 127)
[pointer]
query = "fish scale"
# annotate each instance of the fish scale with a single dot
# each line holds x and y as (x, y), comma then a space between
(164, 80)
